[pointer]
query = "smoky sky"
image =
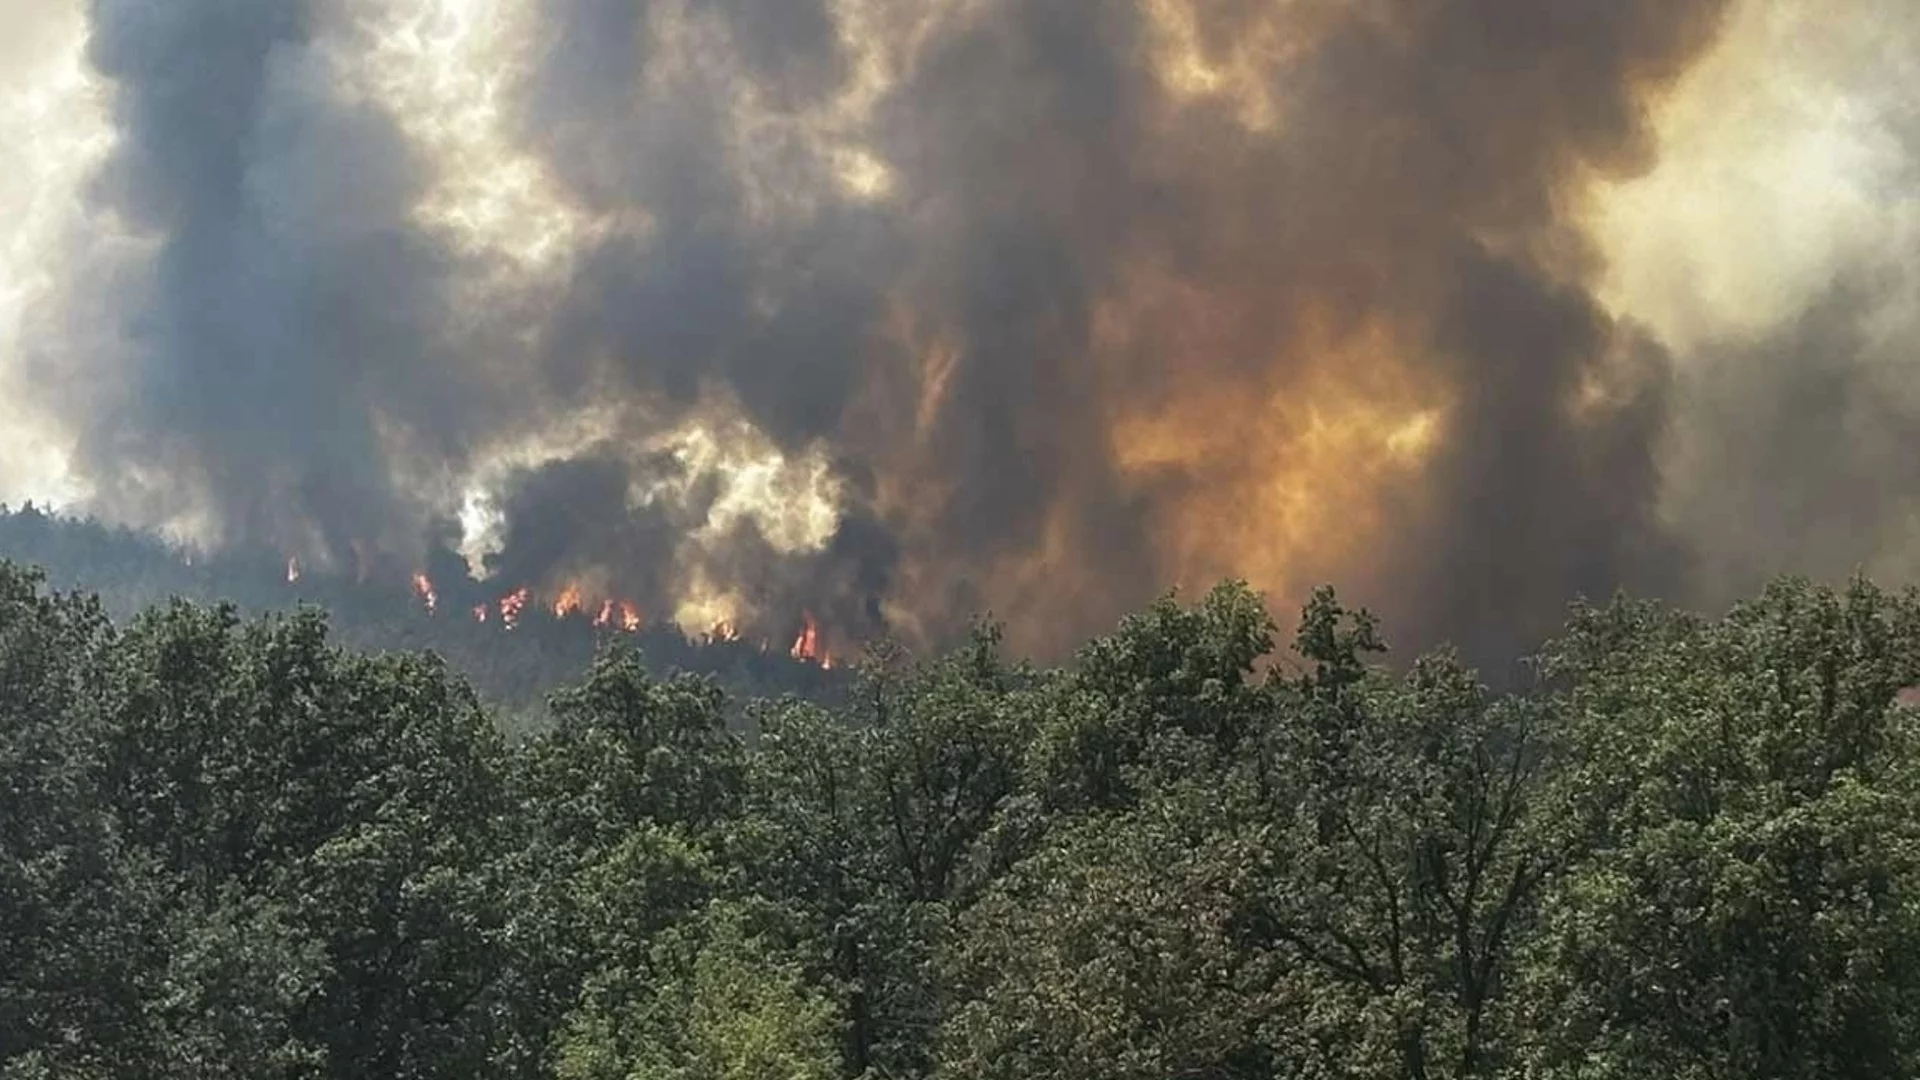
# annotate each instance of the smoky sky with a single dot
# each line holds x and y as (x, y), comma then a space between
(1140, 291)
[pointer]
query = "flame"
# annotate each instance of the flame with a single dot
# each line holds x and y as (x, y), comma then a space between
(616, 615)
(423, 588)
(511, 606)
(293, 569)
(620, 615)
(806, 647)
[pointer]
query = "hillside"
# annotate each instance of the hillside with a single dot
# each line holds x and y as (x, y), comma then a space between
(514, 669)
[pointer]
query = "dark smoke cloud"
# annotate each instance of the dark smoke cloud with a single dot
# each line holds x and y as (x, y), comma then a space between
(1809, 435)
(1375, 205)
(292, 323)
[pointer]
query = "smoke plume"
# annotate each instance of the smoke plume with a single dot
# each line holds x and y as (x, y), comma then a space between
(897, 312)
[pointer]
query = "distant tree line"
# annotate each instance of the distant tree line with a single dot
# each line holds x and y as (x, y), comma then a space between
(133, 571)
(1689, 849)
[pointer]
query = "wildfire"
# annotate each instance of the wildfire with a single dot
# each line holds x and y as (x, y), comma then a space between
(618, 614)
(807, 645)
(511, 605)
(293, 569)
(423, 588)
(603, 613)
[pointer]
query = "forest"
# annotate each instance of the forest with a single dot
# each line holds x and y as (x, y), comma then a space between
(1689, 847)
(132, 570)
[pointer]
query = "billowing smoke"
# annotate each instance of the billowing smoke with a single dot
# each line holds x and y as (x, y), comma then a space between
(901, 311)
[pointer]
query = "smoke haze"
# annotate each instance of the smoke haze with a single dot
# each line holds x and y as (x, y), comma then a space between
(900, 311)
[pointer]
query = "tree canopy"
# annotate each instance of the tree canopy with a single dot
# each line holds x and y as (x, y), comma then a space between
(1688, 847)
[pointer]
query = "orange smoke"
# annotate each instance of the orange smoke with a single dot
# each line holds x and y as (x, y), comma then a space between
(1279, 455)
(1281, 477)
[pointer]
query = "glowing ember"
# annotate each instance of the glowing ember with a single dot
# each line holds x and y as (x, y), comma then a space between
(480, 613)
(568, 603)
(293, 569)
(423, 588)
(723, 631)
(630, 620)
(806, 647)
(510, 607)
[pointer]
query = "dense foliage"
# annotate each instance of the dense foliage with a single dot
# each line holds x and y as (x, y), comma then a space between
(1690, 849)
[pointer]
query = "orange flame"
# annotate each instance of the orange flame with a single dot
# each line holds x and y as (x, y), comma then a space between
(604, 614)
(806, 647)
(423, 588)
(618, 615)
(510, 607)
(293, 569)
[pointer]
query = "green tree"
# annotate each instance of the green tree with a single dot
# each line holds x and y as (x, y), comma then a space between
(875, 828)
(1171, 692)
(625, 805)
(722, 1003)
(78, 905)
(1112, 954)
(353, 805)
(1339, 896)
(1742, 800)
